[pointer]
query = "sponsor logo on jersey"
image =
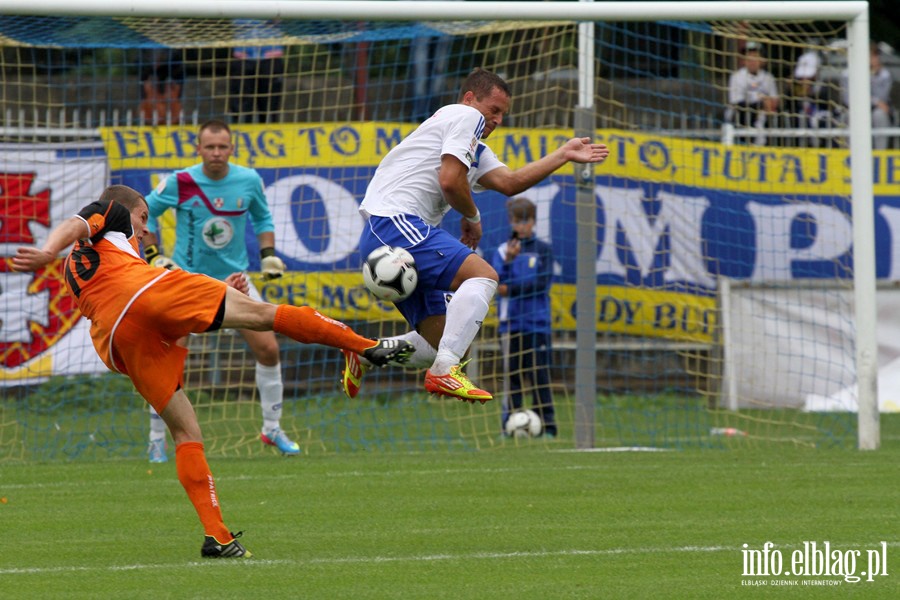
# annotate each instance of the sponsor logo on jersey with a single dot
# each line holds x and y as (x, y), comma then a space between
(217, 232)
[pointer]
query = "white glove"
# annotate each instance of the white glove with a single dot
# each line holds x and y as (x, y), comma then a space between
(272, 267)
(158, 260)
(164, 261)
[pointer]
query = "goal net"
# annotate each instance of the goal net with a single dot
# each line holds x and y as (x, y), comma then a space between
(723, 271)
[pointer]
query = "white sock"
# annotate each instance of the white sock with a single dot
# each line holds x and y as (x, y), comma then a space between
(422, 356)
(271, 392)
(465, 313)
(157, 426)
(424, 352)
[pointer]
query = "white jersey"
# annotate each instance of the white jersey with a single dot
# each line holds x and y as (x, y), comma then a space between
(746, 87)
(406, 181)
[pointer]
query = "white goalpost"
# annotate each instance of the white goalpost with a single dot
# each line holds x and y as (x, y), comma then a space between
(409, 10)
(625, 309)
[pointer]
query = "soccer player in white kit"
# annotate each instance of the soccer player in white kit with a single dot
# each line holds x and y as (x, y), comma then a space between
(431, 171)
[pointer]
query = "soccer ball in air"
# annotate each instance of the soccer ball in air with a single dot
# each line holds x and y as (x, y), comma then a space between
(523, 423)
(390, 273)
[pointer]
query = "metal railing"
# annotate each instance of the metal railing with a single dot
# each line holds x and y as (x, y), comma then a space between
(83, 125)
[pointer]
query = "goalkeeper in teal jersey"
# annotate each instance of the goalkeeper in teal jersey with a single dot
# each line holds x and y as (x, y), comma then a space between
(213, 201)
(212, 216)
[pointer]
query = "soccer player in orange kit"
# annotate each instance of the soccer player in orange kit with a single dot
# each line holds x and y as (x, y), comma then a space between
(138, 312)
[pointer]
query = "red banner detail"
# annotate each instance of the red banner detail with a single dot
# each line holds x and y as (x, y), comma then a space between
(62, 315)
(18, 208)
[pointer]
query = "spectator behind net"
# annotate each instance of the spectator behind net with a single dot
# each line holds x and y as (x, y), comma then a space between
(752, 93)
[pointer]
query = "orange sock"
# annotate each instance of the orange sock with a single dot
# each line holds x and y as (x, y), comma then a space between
(197, 480)
(307, 325)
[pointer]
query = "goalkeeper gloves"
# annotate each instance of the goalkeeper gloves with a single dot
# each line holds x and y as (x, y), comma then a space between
(272, 267)
(155, 259)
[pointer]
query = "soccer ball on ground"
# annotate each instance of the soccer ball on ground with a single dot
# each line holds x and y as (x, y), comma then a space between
(390, 273)
(523, 423)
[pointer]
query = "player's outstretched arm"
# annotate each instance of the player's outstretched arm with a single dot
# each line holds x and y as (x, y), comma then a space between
(511, 183)
(582, 150)
(29, 258)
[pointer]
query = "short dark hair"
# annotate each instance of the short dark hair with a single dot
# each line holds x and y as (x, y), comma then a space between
(213, 125)
(481, 82)
(520, 208)
(124, 195)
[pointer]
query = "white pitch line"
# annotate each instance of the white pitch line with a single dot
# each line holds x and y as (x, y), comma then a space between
(373, 560)
(6, 487)
(329, 475)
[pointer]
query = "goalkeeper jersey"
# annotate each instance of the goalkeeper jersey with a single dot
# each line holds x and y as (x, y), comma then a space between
(211, 217)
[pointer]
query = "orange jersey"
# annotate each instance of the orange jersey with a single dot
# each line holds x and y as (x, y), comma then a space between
(105, 272)
(137, 312)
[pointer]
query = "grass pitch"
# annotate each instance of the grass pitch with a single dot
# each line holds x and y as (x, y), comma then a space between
(520, 522)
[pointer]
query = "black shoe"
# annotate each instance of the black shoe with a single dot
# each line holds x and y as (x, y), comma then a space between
(213, 548)
(395, 352)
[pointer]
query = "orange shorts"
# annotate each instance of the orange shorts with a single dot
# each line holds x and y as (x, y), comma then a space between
(144, 341)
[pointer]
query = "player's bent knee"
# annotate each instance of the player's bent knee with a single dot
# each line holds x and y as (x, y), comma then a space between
(267, 352)
(475, 266)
